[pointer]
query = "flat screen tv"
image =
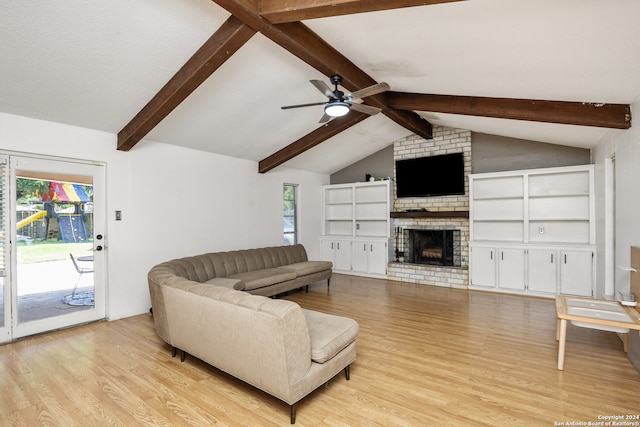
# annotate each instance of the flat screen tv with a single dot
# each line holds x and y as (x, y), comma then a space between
(441, 175)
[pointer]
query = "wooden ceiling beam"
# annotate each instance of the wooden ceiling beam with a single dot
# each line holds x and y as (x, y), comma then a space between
(310, 140)
(303, 43)
(281, 11)
(616, 116)
(306, 45)
(230, 37)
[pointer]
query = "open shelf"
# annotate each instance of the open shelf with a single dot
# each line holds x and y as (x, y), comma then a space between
(358, 209)
(536, 205)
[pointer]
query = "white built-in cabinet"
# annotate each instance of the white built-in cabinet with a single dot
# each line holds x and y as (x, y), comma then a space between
(576, 271)
(542, 270)
(511, 268)
(338, 251)
(356, 227)
(483, 260)
(369, 256)
(533, 231)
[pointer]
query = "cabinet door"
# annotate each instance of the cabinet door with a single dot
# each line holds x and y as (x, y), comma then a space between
(327, 251)
(576, 272)
(542, 270)
(342, 254)
(483, 266)
(377, 257)
(359, 256)
(511, 268)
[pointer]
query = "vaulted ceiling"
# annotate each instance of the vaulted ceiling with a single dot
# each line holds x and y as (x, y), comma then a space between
(212, 75)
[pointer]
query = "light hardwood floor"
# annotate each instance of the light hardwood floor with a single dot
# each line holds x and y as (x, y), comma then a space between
(427, 356)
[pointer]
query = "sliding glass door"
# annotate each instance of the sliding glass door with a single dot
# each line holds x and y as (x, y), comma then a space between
(54, 245)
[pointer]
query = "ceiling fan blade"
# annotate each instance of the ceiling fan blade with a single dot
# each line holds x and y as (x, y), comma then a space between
(368, 91)
(365, 109)
(287, 107)
(325, 118)
(323, 87)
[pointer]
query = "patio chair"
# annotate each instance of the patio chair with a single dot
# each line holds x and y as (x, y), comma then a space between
(81, 271)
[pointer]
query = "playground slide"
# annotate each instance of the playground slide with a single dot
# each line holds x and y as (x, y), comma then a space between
(28, 220)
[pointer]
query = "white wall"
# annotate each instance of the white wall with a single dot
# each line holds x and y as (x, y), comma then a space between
(625, 146)
(175, 202)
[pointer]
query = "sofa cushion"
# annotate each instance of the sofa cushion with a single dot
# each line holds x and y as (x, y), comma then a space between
(261, 278)
(224, 282)
(309, 267)
(329, 334)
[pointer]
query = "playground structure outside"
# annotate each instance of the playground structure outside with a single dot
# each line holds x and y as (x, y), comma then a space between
(42, 222)
(57, 222)
(44, 262)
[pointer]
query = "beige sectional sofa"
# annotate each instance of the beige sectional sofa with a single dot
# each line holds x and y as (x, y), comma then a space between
(272, 344)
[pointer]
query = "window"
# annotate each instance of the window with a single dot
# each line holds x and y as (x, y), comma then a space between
(289, 214)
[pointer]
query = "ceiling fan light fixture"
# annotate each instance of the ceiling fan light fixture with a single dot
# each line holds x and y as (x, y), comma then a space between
(336, 109)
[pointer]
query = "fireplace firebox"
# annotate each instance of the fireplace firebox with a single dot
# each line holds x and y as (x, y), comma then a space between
(432, 247)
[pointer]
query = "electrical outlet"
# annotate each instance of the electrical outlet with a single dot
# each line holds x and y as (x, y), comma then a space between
(541, 230)
(118, 215)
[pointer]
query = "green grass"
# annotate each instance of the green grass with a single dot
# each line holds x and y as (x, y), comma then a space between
(51, 251)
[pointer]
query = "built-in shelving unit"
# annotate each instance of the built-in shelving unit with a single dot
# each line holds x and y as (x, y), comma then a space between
(359, 209)
(526, 223)
(357, 215)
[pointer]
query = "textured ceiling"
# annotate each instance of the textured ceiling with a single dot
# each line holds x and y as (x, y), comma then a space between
(96, 64)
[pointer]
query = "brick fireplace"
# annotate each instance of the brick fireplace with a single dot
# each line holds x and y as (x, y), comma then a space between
(430, 246)
(432, 219)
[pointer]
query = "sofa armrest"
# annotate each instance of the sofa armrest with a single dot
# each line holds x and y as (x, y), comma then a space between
(226, 282)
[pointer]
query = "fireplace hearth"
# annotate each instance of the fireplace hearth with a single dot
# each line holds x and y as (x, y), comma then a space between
(431, 247)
